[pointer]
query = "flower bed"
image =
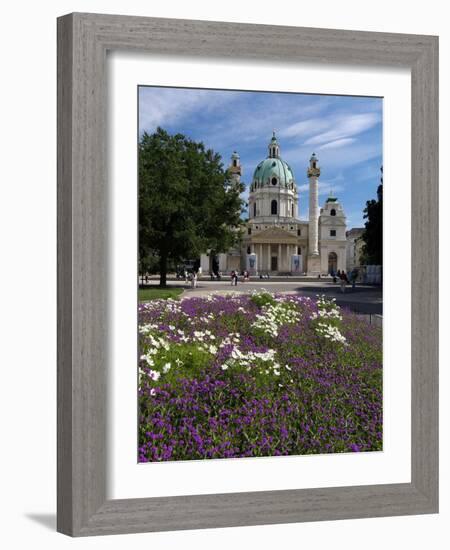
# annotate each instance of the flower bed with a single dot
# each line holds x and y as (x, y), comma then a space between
(256, 375)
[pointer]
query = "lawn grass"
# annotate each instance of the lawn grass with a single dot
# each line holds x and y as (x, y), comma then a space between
(154, 293)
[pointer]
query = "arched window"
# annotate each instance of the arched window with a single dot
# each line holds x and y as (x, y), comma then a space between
(274, 208)
(234, 162)
(332, 212)
(254, 209)
(274, 181)
(292, 210)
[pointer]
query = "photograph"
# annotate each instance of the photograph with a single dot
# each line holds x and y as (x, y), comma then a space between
(228, 218)
(260, 274)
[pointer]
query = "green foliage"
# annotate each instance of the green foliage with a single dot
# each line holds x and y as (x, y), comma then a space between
(150, 264)
(181, 361)
(261, 299)
(372, 252)
(187, 202)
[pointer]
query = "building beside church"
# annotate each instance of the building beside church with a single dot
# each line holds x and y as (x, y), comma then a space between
(276, 240)
(355, 245)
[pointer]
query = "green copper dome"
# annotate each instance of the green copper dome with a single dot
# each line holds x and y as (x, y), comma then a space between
(273, 171)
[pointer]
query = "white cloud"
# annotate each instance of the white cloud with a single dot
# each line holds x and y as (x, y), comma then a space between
(345, 126)
(337, 143)
(305, 127)
(325, 188)
(162, 106)
(332, 158)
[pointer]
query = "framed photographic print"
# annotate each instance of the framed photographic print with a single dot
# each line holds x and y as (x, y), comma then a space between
(244, 336)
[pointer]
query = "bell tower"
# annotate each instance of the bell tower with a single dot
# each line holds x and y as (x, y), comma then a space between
(235, 167)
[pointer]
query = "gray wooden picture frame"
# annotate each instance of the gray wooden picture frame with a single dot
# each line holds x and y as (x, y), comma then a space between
(83, 41)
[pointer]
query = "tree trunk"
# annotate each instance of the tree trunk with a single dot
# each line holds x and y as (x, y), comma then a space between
(163, 270)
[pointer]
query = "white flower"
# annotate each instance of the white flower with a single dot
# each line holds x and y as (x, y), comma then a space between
(167, 368)
(154, 375)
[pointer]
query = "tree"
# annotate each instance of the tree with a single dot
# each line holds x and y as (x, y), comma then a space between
(187, 202)
(372, 251)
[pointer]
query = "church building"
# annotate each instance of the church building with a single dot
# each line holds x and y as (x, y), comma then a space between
(276, 241)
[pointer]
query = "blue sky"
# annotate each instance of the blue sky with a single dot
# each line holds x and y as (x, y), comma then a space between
(345, 132)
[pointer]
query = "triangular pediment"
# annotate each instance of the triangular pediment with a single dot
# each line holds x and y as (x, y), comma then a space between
(275, 234)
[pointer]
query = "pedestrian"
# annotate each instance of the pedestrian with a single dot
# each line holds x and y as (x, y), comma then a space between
(186, 277)
(235, 278)
(194, 280)
(232, 277)
(343, 280)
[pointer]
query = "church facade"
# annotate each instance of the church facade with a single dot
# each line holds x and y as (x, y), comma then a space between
(275, 240)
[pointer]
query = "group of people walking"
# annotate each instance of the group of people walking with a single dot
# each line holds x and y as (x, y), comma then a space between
(235, 277)
(191, 278)
(345, 279)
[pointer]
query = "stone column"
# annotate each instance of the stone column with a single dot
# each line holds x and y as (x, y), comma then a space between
(223, 262)
(204, 263)
(313, 176)
(313, 173)
(313, 215)
(280, 263)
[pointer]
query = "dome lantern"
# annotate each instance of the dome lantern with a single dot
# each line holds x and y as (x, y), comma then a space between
(274, 148)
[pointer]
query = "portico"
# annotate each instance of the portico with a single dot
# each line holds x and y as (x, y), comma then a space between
(274, 249)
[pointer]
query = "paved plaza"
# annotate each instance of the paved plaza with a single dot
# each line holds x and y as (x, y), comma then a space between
(366, 299)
